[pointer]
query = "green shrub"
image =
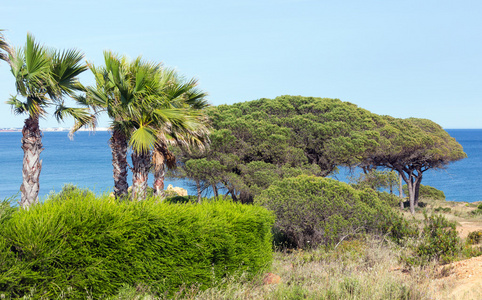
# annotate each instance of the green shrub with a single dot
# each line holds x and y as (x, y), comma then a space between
(427, 192)
(87, 246)
(181, 199)
(313, 210)
(478, 211)
(474, 237)
(440, 240)
(6, 210)
(443, 209)
(390, 199)
(400, 230)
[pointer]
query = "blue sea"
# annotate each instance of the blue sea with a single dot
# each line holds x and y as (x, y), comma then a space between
(86, 162)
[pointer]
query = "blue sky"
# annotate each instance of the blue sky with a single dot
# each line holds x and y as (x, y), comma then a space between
(400, 58)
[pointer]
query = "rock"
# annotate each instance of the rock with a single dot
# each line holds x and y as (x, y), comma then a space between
(175, 191)
(271, 278)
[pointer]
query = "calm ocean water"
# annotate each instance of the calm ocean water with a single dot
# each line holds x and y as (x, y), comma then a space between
(86, 162)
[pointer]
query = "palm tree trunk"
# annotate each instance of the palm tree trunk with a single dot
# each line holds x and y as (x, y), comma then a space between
(159, 174)
(32, 165)
(141, 164)
(118, 144)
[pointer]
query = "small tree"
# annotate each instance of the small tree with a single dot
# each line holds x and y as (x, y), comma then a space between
(411, 147)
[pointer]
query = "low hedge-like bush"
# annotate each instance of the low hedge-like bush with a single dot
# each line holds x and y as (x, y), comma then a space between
(312, 210)
(79, 245)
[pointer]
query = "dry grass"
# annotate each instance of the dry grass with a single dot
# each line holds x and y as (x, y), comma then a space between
(366, 268)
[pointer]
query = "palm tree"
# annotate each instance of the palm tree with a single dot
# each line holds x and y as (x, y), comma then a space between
(193, 133)
(114, 95)
(42, 77)
(158, 117)
(132, 95)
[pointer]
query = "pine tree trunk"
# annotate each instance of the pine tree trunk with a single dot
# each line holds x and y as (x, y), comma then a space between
(32, 165)
(417, 189)
(141, 164)
(411, 194)
(159, 174)
(215, 191)
(118, 144)
(400, 190)
(198, 188)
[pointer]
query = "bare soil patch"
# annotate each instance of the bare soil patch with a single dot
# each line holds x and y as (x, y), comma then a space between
(465, 276)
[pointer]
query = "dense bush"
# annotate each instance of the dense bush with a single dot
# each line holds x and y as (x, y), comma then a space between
(80, 245)
(427, 192)
(390, 199)
(313, 210)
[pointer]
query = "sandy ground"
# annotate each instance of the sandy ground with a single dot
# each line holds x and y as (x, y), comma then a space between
(467, 275)
(463, 277)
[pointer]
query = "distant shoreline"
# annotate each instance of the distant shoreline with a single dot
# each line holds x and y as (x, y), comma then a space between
(60, 129)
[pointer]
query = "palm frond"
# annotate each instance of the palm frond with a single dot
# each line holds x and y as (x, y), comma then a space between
(36, 105)
(91, 122)
(18, 106)
(65, 68)
(37, 62)
(81, 115)
(5, 47)
(143, 139)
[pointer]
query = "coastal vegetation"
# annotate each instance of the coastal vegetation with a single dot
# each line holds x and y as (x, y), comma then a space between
(256, 143)
(43, 77)
(149, 107)
(78, 245)
(82, 245)
(266, 163)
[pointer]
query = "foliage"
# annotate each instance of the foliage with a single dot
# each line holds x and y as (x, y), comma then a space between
(411, 147)
(428, 192)
(5, 49)
(443, 209)
(86, 246)
(356, 269)
(43, 78)
(439, 241)
(262, 141)
(477, 211)
(390, 199)
(312, 210)
(149, 106)
(299, 133)
(474, 237)
(377, 180)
